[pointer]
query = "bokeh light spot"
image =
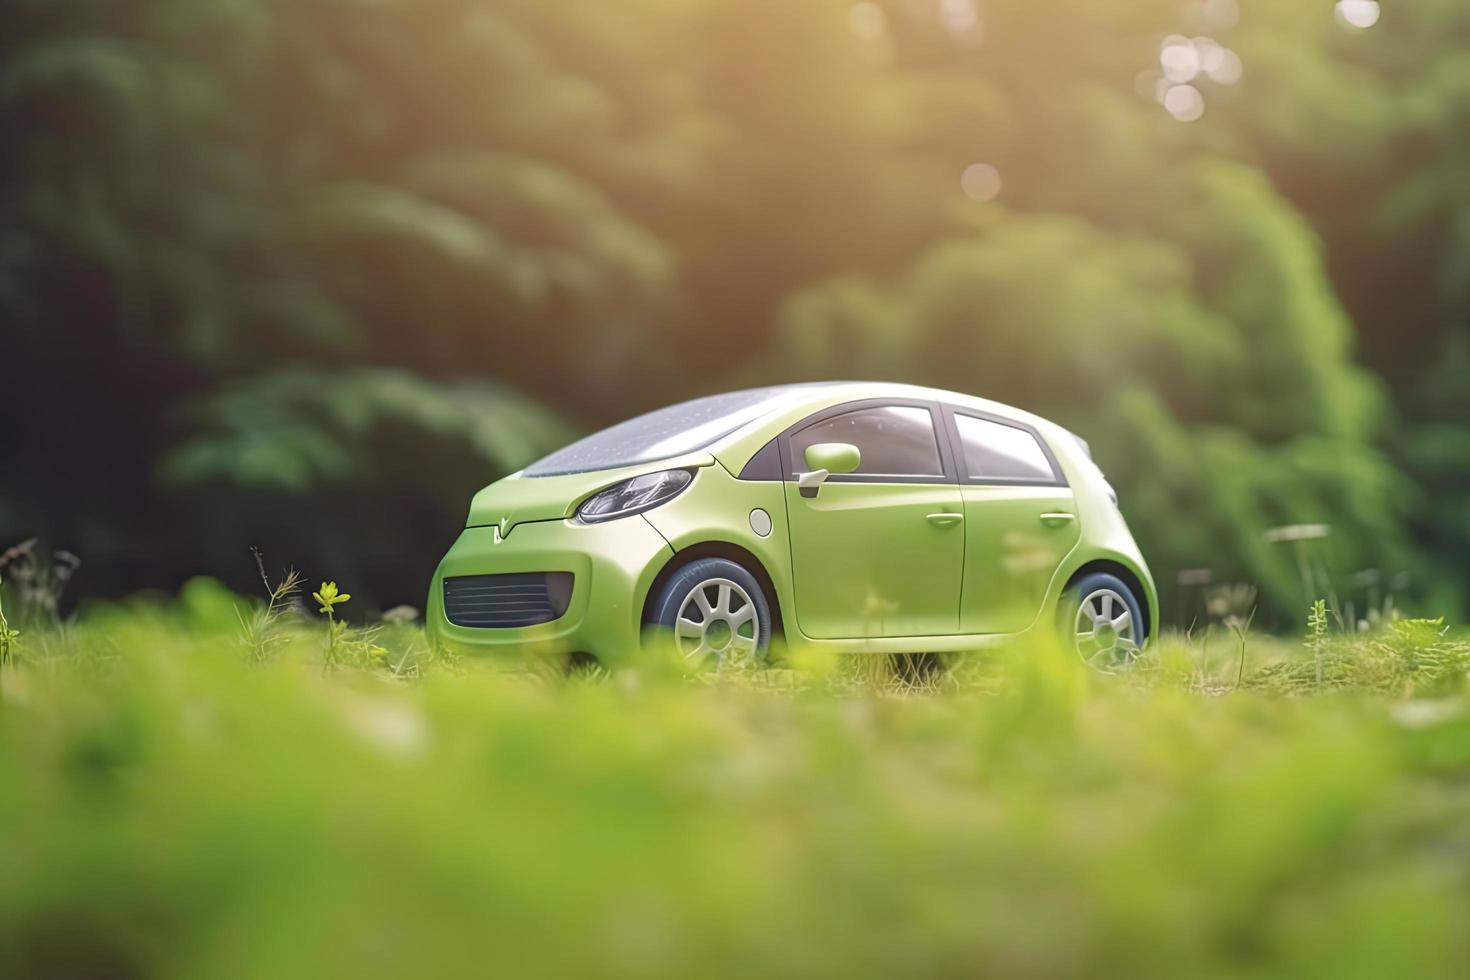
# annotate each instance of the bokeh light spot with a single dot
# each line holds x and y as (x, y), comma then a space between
(980, 182)
(1211, 53)
(959, 16)
(867, 21)
(1358, 13)
(1179, 58)
(1228, 71)
(1146, 83)
(1184, 102)
(1216, 15)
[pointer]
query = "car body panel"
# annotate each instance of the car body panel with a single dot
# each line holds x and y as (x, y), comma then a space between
(612, 565)
(1011, 553)
(717, 509)
(867, 561)
(826, 558)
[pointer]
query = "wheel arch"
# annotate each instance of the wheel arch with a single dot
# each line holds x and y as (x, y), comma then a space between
(717, 549)
(1129, 578)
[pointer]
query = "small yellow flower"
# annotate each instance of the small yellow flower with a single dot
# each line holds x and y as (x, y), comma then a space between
(328, 597)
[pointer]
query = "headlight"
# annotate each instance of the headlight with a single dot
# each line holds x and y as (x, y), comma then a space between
(633, 496)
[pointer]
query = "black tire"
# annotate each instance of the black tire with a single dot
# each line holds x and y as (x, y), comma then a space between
(1099, 584)
(707, 573)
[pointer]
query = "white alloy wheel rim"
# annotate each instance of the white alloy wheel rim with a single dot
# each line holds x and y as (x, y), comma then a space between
(717, 620)
(1106, 635)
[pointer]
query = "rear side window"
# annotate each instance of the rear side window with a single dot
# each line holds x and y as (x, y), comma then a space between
(894, 440)
(995, 451)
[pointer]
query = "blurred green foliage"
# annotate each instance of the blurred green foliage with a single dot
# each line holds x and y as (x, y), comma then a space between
(171, 807)
(305, 273)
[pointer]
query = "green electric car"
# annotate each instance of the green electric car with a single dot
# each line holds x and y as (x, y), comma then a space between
(855, 517)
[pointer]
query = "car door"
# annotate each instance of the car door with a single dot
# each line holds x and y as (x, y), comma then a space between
(1020, 520)
(879, 551)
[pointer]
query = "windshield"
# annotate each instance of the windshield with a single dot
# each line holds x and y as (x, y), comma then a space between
(667, 432)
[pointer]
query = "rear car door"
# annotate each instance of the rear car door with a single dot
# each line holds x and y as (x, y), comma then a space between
(878, 552)
(1020, 519)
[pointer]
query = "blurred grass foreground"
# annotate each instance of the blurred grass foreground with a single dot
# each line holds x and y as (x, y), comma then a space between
(170, 806)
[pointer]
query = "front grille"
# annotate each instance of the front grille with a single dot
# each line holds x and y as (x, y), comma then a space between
(507, 601)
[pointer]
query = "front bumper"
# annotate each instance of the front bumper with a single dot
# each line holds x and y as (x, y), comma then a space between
(612, 565)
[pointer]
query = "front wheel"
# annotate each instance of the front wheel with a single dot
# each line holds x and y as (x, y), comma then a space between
(716, 614)
(1105, 622)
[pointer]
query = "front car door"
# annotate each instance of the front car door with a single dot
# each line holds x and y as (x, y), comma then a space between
(880, 551)
(1020, 520)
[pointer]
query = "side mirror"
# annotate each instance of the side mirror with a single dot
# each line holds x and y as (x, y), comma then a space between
(822, 460)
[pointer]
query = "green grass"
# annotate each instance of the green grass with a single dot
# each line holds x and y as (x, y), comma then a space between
(172, 806)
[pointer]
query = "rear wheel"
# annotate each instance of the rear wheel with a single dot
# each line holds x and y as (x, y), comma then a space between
(1105, 623)
(714, 614)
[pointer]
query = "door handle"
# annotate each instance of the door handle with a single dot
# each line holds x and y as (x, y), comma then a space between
(1057, 519)
(945, 519)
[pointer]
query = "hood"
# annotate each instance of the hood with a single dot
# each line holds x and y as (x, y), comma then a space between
(521, 499)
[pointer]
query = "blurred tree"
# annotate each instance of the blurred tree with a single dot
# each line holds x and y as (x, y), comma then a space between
(207, 191)
(223, 221)
(1368, 132)
(354, 469)
(1117, 339)
(1169, 302)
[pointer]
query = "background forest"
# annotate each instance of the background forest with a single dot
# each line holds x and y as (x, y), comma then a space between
(303, 274)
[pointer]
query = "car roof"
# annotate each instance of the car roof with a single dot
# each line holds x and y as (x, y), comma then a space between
(824, 393)
(684, 428)
(807, 398)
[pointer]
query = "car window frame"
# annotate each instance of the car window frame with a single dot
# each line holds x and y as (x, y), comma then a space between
(942, 441)
(952, 428)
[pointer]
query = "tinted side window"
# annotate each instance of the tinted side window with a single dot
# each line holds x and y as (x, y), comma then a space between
(994, 451)
(895, 440)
